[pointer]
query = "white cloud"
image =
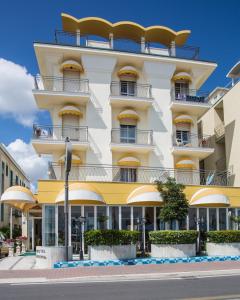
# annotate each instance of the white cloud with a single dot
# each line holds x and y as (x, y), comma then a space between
(34, 166)
(16, 99)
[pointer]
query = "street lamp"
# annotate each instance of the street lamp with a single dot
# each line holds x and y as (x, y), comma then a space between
(141, 222)
(200, 223)
(68, 164)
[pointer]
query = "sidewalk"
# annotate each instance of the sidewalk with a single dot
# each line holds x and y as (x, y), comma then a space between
(117, 273)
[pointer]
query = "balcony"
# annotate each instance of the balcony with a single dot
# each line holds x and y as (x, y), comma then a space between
(190, 101)
(219, 133)
(130, 93)
(107, 173)
(47, 139)
(133, 140)
(125, 45)
(185, 143)
(50, 90)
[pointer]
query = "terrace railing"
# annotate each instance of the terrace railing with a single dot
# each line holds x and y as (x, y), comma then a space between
(131, 89)
(189, 95)
(191, 140)
(129, 136)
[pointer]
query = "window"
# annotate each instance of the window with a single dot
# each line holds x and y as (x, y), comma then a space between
(128, 175)
(102, 217)
(126, 218)
(183, 137)
(2, 212)
(89, 215)
(11, 178)
(3, 167)
(16, 180)
(192, 215)
(114, 217)
(137, 216)
(202, 219)
(128, 88)
(160, 224)
(49, 226)
(222, 219)
(212, 219)
(7, 170)
(61, 226)
(128, 134)
(181, 90)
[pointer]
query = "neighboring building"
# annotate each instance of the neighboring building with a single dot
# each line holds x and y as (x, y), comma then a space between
(222, 123)
(131, 111)
(11, 174)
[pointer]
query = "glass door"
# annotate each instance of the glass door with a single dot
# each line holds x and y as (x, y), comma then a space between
(128, 134)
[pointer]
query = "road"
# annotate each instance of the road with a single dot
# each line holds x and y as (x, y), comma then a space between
(224, 287)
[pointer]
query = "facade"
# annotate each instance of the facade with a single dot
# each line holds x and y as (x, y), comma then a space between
(221, 122)
(131, 111)
(11, 174)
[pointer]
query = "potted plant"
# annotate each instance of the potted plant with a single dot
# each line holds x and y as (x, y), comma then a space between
(111, 244)
(223, 242)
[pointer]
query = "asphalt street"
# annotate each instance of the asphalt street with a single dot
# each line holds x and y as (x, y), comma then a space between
(224, 287)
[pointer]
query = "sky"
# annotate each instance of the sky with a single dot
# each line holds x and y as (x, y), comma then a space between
(214, 25)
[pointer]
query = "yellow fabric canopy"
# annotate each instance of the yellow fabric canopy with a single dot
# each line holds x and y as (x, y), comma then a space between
(185, 163)
(211, 197)
(183, 119)
(129, 161)
(128, 114)
(147, 194)
(128, 71)
(182, 76)
(75, 159)
(71, 65)
(70, 110)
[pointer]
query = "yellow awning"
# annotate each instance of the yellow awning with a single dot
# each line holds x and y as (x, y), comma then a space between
(75, 159)
(81, 193)
(128, 114)
(183, 119)
(147, 194)
(129, 161)
(19, 197)
(128, 71)
(71, 65)
(185, 163)
(211, 197)
(70, 110)
(182, 76)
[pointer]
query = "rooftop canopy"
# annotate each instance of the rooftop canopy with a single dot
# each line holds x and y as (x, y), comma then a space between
(125, 30)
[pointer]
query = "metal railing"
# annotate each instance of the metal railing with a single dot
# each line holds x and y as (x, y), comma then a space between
(130, 89)
(61, 84)
(59, 133)
(125, 45)
(108, 173)
(187, 139)
(189, 95)
(131, 136)
(219, 131)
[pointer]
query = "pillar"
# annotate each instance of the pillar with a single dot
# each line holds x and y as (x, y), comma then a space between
(173, 49)
(78, 40)
(111, 40)
(143, 44)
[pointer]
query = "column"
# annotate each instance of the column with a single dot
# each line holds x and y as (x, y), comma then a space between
(131, 217)
(143, 44)
(111, 40)
(95, 217)
(173, 49)
(120, 217)
(25, 225)
(154, 218)
(78, 37)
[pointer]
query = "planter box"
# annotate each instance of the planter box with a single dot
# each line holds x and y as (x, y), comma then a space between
(223, 249)
(111, 252)
(171, 251)
(47, 256)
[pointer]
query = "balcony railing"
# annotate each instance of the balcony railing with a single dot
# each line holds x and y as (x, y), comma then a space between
(132, 136)
(189, 95)
(107, 173)
(187, 139)
(125, 45)
(61, 84)
(131, 89)
(59, 133)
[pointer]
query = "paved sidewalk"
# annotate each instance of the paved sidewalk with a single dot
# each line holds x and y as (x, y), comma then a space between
(18, 263)
(122, 272)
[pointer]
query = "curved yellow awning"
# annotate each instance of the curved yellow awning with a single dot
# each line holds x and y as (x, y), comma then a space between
(182, 76)
(124, 29)
(128, 71)
(71, 65)
(128, 114)
(19, 197)
(70, 110)
(75, 159)
(129, 161)
(211, 197)
(183, 119)
(147, 194)
(185, 163)
(81, 193)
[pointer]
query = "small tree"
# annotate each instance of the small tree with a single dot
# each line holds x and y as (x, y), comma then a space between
(175, 205)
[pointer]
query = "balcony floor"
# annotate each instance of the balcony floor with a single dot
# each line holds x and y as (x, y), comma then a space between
(136, 148)
(123, 101)
(191, 108)
(198, 152)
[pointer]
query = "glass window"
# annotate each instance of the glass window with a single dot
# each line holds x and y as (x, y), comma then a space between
(182, 224)
(202, 219)
(212, 219)
(16, 180)
(137, 216)
(160, 224)
(2, 212)
(49, 225)
(102, 217)
(128, 175)
(61, 226)
(128, 134)
(126, 218)
(89, 215)
(192, 216)
(11, 177)
(75, 228)
(231, 215)
(6, 170)
(222, 219)
(183, 137)
(3, 167)
(149, 215)
(181, 90)
(128, 88)
(114, 217)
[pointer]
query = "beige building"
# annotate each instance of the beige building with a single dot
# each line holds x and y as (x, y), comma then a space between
(222, 123)
(11, 174)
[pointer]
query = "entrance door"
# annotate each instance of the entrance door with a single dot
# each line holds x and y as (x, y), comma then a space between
(37, 232)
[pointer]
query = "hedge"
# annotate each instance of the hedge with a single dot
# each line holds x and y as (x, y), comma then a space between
(110, 237)
(173, 236)
(223, 236)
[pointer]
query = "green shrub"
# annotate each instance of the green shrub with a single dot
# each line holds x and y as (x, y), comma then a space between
(223, 236)
(173, 236)
(110, 237)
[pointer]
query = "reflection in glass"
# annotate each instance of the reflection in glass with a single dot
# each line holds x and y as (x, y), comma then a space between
(137, 216)
(126, 218)
(222, 219)
(49, 225)
(203, 219)
(61, 226)
(102, 217)
(212, 219)
(114, 217)
(160, 224)
(192, 215)
(89, 215)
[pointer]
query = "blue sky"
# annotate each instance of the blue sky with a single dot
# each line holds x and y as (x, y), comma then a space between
(214, 25)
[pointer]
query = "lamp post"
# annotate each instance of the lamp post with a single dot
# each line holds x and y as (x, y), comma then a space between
(68, 163)
(199, 222)
(81, 222)
(142, 222)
